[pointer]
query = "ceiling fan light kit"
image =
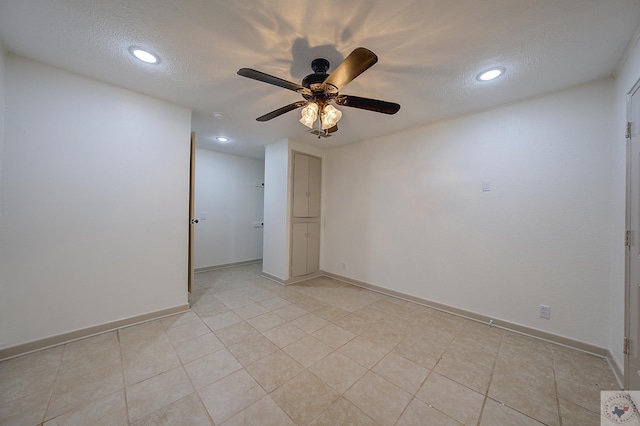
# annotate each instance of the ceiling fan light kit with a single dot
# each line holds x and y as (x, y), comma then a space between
(320, 89)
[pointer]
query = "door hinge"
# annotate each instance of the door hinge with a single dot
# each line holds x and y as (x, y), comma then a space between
(627, 133)
(627, 237)
(626, 346)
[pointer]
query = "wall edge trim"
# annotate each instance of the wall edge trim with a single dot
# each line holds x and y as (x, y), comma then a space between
(290, 281)
(71, 336)
(226, 265)
(615, 367)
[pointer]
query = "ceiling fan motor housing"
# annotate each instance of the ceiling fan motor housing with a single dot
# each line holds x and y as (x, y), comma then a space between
(319, 67)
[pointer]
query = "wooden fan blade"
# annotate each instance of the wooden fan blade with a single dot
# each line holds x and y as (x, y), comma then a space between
(280, 111)
(368, 104)
(267, 78)
(353, 65)
(332, 129)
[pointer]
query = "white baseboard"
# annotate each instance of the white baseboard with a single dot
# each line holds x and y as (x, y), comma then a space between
(226, 265)
(291, 280)
(61, 339)
(617, 369)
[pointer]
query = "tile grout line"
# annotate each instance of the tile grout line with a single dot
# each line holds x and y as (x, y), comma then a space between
(431, 371)
(244, 367)
(124, 383)
(53, 385)
(493, 367)
(555, 385)
(195, 390)
(503, 404)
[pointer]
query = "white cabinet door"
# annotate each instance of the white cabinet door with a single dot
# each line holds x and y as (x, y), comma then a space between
(313, 247)
(305, 248)
(306, 186)
(299, 249)
(300, 185)
(314, 187)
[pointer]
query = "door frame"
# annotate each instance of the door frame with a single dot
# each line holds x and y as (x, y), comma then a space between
(192, 185)
(627, 269)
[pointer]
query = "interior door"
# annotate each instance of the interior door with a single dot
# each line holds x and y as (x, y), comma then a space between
(632, 332)
(192, 220)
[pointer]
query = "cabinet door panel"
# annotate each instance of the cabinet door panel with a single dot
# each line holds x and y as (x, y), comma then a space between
(314, 187)
(300, 185)
(313, 247)
(299, 249)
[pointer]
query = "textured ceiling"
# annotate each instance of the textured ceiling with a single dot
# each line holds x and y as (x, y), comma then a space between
(429, 54)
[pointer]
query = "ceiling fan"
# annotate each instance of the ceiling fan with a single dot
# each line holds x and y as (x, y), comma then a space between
(320, 89)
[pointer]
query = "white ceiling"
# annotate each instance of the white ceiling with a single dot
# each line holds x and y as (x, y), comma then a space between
(430, 52)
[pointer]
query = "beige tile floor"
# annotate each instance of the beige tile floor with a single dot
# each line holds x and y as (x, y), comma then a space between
(252, 352)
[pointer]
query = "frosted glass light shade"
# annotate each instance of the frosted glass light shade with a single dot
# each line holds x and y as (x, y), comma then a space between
(330, 116)
(309, 115)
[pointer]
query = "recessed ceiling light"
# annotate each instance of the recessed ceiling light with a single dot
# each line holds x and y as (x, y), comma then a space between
(144, 55)
(222, 139)
(490, 74)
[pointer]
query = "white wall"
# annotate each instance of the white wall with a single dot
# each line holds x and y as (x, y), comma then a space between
(94, 203)
(275, 252)
(406, 212)
(626, 78)
(226, 191)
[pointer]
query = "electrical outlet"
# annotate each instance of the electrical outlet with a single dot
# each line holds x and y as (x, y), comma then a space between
(545, 312)
(344, 266)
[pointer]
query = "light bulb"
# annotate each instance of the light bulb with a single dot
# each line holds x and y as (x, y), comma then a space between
(309, 115)
(330, 116)
(491, 74)
(144, 55)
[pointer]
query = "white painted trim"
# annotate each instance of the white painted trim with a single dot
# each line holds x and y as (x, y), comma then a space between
(71, 336)
(227, 265)
(615, 367)
(292, 280)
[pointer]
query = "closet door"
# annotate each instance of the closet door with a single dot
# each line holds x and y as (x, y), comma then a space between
(300, 185)
(306, 186)
(314, 187)
(299, 249)
(305, 248)
(313, 247)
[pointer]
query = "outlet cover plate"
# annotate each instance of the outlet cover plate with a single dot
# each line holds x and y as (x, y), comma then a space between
(545, 312)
